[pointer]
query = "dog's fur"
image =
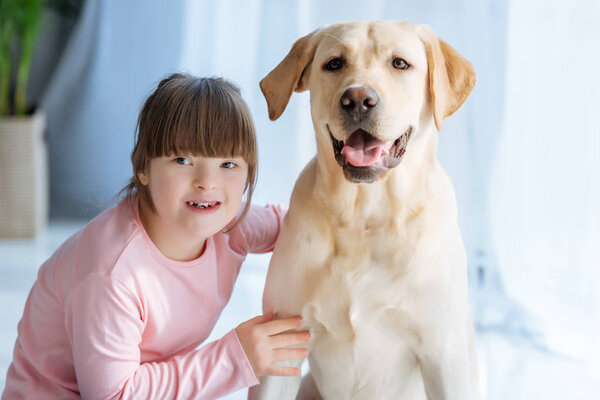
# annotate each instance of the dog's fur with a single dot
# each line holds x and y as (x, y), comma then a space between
(371, 256)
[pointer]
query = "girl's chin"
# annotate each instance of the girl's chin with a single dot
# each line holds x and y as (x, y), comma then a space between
(195, 229)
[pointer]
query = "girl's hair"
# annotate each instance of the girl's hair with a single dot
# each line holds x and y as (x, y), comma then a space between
(200, 116)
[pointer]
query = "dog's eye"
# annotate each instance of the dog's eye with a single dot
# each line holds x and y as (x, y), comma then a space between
(334, 64)
(399, 63)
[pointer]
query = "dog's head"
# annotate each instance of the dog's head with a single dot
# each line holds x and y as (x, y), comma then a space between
(372, 85)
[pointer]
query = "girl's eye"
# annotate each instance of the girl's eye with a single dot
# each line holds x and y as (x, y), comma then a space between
(182, 161)
(229, 165)
(399, 63)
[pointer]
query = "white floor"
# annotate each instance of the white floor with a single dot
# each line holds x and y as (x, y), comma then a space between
(512, 368)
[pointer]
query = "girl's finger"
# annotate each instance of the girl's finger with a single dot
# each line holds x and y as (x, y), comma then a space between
(282, 325)
(289, 354)
(276, 370)
(289, 339)
(267, 317)
(261, 319)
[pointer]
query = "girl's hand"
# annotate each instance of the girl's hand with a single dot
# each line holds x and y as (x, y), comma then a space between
(264, 342)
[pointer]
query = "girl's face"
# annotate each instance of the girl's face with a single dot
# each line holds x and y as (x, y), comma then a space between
(194, 196)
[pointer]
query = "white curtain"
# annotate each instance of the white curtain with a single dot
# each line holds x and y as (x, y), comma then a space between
(545, 185)
(117, 53)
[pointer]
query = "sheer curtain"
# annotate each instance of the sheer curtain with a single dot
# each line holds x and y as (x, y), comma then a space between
(545, 186)
(117, 53)
(522, 152)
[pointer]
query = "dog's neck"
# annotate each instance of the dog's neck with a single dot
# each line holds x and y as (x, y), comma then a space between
(400, 193)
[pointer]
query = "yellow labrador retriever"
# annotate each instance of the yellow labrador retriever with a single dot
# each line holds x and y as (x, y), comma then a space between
(370, 253)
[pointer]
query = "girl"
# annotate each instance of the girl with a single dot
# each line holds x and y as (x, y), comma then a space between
(120, 308)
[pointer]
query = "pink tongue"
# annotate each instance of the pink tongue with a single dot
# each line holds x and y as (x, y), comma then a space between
(362, 150)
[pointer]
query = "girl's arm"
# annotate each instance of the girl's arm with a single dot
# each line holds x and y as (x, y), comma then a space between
(259, 230)
(104, 324)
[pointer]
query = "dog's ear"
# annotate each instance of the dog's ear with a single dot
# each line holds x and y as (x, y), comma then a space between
(279, 84)
(451, 77)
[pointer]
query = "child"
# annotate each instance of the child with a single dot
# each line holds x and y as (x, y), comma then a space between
(120, 307)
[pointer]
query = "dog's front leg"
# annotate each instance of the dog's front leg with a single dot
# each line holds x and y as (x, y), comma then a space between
(446, 368)
(277, 387)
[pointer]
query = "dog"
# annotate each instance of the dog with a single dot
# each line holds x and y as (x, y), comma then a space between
(370, 253)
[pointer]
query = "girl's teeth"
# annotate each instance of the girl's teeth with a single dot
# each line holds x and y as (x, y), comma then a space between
(200, 205)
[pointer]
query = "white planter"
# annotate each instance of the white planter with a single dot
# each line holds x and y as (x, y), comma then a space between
(23, 176)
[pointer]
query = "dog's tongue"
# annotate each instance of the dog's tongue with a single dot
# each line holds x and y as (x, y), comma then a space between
(363, 149)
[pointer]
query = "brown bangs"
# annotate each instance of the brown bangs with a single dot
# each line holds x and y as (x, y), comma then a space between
(204, 117)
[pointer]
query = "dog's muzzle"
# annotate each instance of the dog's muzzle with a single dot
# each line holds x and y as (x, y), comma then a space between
(364, 158)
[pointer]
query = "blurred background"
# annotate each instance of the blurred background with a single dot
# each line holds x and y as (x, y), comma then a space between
(523, 153)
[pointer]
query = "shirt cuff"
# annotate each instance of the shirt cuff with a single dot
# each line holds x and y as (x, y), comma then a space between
(239, 355)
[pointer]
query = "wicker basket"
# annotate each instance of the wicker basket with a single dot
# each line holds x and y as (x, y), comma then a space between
(23, 176)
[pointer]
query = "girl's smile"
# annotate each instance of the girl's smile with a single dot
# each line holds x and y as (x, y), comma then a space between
(203, 206)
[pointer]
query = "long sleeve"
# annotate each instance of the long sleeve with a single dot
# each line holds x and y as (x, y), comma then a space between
(105, 323)
(260, 229)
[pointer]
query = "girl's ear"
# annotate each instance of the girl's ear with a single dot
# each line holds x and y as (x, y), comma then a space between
(143, 178)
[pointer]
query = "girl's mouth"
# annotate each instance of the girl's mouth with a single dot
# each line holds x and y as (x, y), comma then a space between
(203, 205)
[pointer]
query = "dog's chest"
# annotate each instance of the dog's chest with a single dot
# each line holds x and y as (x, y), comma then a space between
(362, 306)
(366, 281)
(354, 304)
(363, 326)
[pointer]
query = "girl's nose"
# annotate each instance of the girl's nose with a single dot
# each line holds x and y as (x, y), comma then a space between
(205, 178)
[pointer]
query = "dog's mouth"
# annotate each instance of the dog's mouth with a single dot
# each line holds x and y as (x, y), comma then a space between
(364, 151)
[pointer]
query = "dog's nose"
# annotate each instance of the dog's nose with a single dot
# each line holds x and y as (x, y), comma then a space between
(358, 101)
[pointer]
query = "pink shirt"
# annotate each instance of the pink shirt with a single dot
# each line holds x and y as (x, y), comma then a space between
(111, 317)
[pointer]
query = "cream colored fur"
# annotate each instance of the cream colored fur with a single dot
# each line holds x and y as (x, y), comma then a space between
(377, 270)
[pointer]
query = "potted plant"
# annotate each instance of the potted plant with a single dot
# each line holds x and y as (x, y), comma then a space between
(23, 154)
